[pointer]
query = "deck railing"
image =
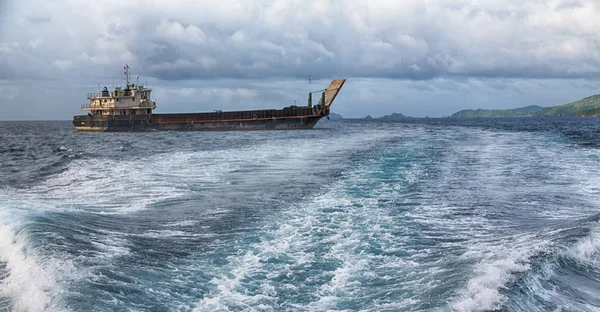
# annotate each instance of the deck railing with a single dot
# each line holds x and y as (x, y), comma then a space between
(118, 105)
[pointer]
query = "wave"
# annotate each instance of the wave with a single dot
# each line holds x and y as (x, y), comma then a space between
(33, 281)
(424, 224)
(531, 267)
(108, 186)
(587, 250)
(122, 185)
(36, 278)
(494, 274)
(330, 251)
(394, 234)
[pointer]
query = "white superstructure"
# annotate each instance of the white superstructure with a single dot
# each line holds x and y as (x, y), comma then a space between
(133, 100)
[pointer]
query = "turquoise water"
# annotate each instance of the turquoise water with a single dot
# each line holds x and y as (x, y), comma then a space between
(428, 215)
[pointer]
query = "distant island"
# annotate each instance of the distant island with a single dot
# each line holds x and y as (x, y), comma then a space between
(586, 107)
(393, 116)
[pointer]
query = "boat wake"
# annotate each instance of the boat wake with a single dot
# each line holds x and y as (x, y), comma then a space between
(32, 281)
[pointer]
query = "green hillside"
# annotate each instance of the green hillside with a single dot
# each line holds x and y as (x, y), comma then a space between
(467, 113)
(589, 113)
(530, 108)
(393, 116)
(589, 106)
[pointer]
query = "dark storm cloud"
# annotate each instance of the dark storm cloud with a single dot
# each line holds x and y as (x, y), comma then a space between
(455, 40)
(233, 52)
(411, 40)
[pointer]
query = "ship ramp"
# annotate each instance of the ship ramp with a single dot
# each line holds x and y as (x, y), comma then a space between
(332, 91)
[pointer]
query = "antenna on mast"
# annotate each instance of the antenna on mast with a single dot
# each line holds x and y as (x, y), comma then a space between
(309, 94)
(126, 75)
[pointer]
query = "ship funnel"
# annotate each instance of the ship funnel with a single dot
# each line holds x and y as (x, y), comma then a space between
(331, 92)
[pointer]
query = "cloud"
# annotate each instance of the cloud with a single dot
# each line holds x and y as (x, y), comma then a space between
(5, 49)
(394, 52)
(382, 39)
(63, 64)
(174, 31)
(41, 18)
(35, 42)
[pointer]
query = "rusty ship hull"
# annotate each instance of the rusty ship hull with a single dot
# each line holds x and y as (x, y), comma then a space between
(131, 110)
(283, 119)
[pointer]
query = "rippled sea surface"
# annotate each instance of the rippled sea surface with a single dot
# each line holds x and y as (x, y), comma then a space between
(422, 215)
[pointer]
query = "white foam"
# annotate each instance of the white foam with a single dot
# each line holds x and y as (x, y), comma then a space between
(111, 246)
(32, 283)
(172, 233)
(340, 234)
(114, 186)
(587, 250)
(492, 274)
(230, 289)
(184, 223)
(130, 184)
(333, 226)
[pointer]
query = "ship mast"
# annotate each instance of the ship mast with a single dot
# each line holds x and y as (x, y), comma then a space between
(309, 94)
(126, 74)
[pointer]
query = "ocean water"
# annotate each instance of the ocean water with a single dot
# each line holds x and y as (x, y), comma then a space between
(421, 215)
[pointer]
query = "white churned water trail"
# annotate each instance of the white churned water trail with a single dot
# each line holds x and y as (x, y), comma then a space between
(33, 281)
(37, 278)
(428, 224)
(386, 217)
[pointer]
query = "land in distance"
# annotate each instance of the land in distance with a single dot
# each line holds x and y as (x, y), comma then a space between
(586, 107)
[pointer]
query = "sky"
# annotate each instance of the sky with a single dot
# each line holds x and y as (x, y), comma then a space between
(415, 57)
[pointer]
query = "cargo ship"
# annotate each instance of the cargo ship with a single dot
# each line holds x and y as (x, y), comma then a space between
(130, 109)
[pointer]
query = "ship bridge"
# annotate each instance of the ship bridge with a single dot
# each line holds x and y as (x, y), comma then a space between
(133, 100)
